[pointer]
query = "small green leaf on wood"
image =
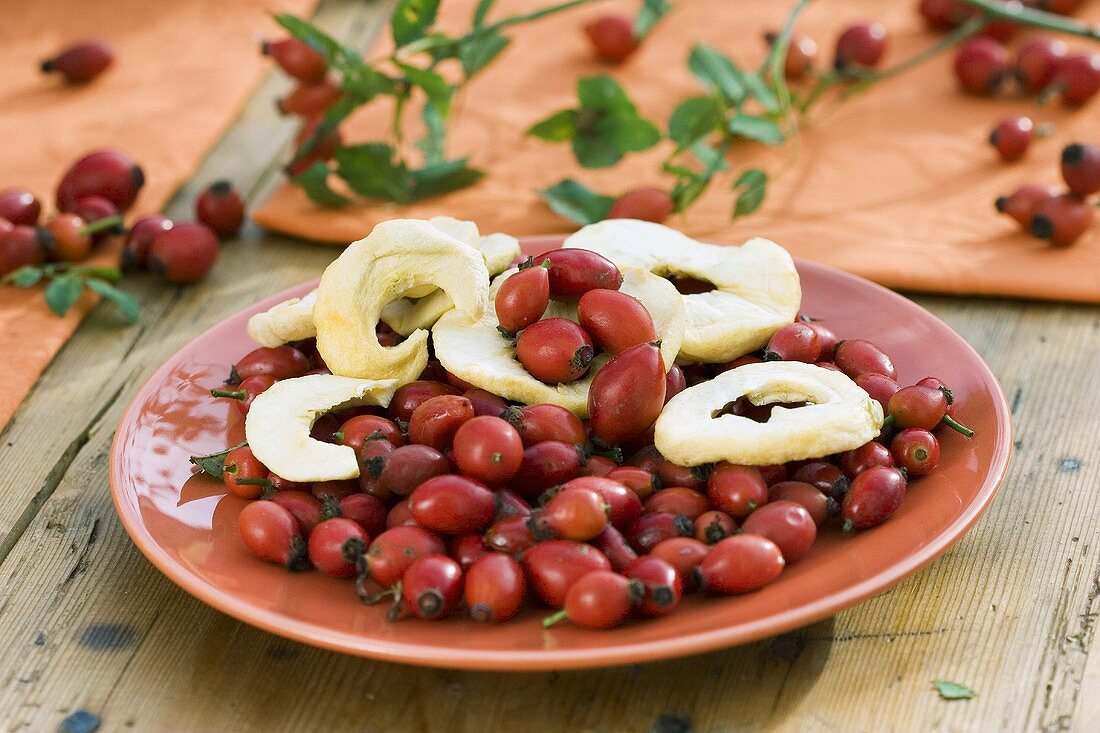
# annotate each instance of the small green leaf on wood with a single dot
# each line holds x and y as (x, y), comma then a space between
(718, 71)
(411, 19)
(63, 292)
(374, 170)
(314, 181)
(445, 177)
(760, 129)
(558, 127)
(125, 302)
(574, 201)
(478, 52)
(603, 93)
(693, 119)
(953, 690)
(752, 185)
(25, 277)
(214, 463)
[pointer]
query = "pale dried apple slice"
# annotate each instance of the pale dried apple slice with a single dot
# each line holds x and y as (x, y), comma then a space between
(480, 355)
(291, 320)
(280, 418)
(693, 429)
(756, 293)
(396, 257)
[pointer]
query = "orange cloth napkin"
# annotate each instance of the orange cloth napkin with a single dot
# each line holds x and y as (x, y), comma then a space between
(182, 70)
(896, 185)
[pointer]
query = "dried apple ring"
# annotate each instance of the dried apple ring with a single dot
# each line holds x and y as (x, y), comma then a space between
(479, 354)
(757, 289)
(291, 320)
(839, 416)
(280, 418)
(396, 257)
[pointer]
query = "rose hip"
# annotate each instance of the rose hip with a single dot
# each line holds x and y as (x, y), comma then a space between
(19, 207)
(466, 549)
(573, 272)
(801, 51)
(307, 509)
(1023, 204)
(678, 500)
(70, 242)
(81, 62)
(335, 545)
(981, 64)
(880, 387)
(641, 482)
(393, 551)
(485, 403)
(614, 546)
(599, 600)
(361, 428)
(410, 396)
(875, 495)
(495, 588)
(1081, 168)
(411, 465)
(918, 407)
(545, 464)
(309, 100)
(1063, 219)
(684, 554)
(943, 14)
(740, 564)
(220, 207)
(522, 298)
(1077, 78)
(916, 450)
(552, 567)
(786, 523)
(21, 246)
(825, 477)
(623, 505)
(510, 504)
(675, 383)
(736, 490)
(627, 395)
(452, 504)
(1036, 61)
(859, 356)
(714, 526)
(271, 533)
(297, 58)
(280, 362)
(598, 466)
(1011, 137)
(653, 529)
(820, 506)
(510, 535)
(400, 515)
(432, 586)
(615, 321)
(860, 46)
(108, 173)
(867, 456)
(612, 37)
(575, 513)
(794, 342)
(645, 204)
(184, 253)
(243, 474)
(555, 350)
(337, 489)
(435, 422)
(139, 240)
(539, 423)
(489, 449)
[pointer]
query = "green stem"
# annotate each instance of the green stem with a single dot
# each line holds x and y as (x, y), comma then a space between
(957, 426)
(231, 394)
(1034, 18)
(773, 64)
(534, 15)
(554, 618)
(100, 225)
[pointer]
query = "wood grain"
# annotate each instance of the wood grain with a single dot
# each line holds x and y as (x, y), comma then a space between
(87, 623)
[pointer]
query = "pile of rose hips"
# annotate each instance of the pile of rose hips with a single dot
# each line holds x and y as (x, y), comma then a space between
(464, 498)
(1060, 218)
(311, 97)
(91, 199)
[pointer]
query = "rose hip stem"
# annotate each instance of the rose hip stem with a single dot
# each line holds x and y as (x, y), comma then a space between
(554, 618)
(958, 427)
(99, 225)
(233, 395)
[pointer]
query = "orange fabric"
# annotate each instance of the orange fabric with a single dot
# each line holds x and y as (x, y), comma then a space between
(182, 70)
(896, 185)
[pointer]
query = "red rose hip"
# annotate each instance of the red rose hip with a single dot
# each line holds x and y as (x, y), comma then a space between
(220, 207)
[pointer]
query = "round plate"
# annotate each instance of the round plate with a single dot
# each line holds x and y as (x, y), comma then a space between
(185, 524)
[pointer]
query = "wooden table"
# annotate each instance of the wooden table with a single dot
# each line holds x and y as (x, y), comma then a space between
(86, 623)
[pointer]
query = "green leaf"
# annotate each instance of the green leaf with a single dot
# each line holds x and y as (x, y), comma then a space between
(314, 181)
(214, 463)
(953, 690)
(758, 88)
(366, 84)
(603, 93)
(628, 132)
(435, 136)
(25, 277)
(595, 151)
(125, 302)
(63, 292)
(754, 185)
(443, 178)
(435, 86)
(558, 127)
(760, 129)
(373, 170)
(651, 12)
(475, 53)
(411, 19)
(717, 71)
(714, 158)
(686, 191)
(481, 11)
(338, 56)
(577, 203)
(694, 118)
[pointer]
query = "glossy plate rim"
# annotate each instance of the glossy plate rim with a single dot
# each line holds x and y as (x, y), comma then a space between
(557, 659)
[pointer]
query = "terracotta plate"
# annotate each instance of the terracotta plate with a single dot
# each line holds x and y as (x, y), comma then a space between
(185, 524)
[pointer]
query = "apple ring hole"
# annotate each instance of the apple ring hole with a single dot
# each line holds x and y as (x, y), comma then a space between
(688, 285)
(744, 407)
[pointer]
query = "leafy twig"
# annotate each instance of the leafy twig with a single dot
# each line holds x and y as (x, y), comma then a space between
(65, 281)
